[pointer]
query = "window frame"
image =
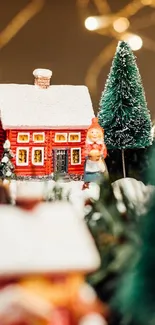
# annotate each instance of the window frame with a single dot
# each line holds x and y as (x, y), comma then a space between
(17, 154)
(23, 133)
(72, 163)
(74, 133)
(43, 158)
(60, 133)
(39, 133)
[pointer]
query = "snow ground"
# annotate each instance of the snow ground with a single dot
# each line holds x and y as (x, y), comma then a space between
(136, 191)
(44, 188)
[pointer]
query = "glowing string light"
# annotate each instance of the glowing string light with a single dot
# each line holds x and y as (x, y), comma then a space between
(121, 24)
(134, 41)
(97, 22)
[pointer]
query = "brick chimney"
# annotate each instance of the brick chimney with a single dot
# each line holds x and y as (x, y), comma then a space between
(42, 78)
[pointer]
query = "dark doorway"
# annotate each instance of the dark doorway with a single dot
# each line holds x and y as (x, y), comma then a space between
(60, 160)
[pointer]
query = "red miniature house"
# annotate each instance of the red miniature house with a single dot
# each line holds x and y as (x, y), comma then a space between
(46, 125)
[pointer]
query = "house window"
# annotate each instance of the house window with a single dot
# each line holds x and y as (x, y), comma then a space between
(60, 137)
(23, 137)
(39, 137)
(74, 137)
(38, 156)
(22, 155)
(75, 156)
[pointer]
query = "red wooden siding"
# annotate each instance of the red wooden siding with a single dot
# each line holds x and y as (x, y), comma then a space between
(49, 157)
(49, 145)
(30, 169)
(2, 139)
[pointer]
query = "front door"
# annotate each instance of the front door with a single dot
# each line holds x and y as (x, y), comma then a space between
(60, 160)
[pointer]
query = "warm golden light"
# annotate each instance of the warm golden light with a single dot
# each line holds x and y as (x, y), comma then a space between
(97, 22)
(134, 41)
(91, 23)
(146, 2)
(121, 24)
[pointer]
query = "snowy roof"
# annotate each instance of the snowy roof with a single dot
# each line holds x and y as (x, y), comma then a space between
(29, 106)
(50, 239)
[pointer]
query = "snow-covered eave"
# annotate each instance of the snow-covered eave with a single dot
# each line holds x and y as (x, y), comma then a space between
(47, 127)
(43, 271)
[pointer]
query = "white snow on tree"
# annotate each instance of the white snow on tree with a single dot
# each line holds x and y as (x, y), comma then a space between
(6, 166)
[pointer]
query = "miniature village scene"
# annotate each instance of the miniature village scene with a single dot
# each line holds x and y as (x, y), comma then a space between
(77, 199)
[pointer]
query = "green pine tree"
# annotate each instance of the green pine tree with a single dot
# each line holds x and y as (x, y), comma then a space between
(123, 111)
(113, 226)
(6, 166)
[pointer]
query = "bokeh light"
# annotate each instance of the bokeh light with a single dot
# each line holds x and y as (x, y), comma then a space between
(134, 41)
(121, 24)
(97, 22)
(91, 23)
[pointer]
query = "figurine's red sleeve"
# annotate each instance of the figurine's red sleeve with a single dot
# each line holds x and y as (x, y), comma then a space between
(88, 148)
(101, 147)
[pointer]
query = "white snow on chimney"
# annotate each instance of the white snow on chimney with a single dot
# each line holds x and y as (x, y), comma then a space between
(42, 78)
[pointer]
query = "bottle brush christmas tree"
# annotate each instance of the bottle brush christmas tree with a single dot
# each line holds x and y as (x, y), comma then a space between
(123, 111)
(6, 166)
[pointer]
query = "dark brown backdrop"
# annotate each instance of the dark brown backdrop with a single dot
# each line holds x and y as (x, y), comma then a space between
(56, 39)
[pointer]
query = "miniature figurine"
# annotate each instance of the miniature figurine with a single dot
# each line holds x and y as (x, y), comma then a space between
(95, 152)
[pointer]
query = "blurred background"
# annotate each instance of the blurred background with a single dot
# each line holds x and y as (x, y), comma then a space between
(76, 39)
